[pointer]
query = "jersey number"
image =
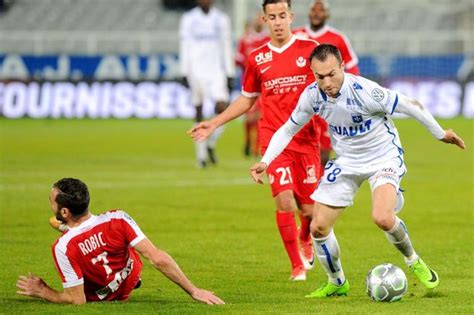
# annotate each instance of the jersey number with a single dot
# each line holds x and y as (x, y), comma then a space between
(105, 262)
(285, 177)
(331, 177)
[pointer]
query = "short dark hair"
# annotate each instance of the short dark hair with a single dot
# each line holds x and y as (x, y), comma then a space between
(73, 194)
(265, 2)
(323, 51)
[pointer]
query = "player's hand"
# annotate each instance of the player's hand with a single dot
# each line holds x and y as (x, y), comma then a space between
(206, 297)
(57, 225)
(453, 138)
(201, 131)
(30, 285)
(256, 171)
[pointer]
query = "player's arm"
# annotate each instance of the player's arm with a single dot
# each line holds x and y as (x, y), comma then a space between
(280, 140)
(415, 109)
(34, 286)
(167, 266)
(204, 129)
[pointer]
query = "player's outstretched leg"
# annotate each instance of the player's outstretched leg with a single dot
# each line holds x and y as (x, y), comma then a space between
(327, 250)
(399, 237)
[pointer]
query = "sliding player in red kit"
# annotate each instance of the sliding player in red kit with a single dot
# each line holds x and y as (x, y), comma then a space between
(97, 255)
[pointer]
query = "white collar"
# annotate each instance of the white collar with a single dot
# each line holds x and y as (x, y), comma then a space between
(284, 47)
(318, 33)
(85, 224)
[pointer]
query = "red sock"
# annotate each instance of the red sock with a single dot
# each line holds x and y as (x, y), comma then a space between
(305, 232)
(287, 226)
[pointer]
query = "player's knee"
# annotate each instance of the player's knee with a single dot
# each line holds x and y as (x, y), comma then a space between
(319, 229)
(286, 204)
(384, 221)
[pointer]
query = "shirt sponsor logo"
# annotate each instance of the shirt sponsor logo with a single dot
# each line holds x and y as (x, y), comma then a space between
(352, 131)
(377, 94)
(301, 62)
(263, 57)
(285, 81)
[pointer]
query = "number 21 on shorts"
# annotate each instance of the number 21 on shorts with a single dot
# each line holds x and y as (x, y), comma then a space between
(285, 175)
(331, 174)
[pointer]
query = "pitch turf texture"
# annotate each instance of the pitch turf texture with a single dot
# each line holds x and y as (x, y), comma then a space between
(219, 226)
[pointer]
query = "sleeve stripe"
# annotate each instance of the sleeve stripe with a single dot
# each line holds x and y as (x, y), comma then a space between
(250, 94)
(293, 121)
(73, 283)
(394, 104)
(137, 239)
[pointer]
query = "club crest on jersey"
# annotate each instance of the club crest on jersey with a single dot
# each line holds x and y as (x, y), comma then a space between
(356, 118)
(263, 57)
(377, 94)
(310, 175)
(301, 62)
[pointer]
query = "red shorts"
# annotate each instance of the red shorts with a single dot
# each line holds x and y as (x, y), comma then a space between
(297, 172)
(126, 287)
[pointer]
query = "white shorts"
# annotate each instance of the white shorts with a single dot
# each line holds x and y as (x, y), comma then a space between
(212, 87)
(340, 182)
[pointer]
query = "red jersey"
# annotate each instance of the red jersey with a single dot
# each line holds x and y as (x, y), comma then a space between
(279, 76)
(247, 44)
(99, 254)
(329, 35)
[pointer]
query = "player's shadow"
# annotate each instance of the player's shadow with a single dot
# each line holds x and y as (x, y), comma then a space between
(433, 295)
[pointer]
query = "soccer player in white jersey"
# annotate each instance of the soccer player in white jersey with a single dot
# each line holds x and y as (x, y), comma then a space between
(96, 256)
(207, 65)
(367, 147)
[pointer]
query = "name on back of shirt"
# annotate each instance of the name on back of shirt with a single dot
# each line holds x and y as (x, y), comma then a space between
(93, 242)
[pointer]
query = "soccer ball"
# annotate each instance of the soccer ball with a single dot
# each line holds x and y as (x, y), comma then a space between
(386, 283)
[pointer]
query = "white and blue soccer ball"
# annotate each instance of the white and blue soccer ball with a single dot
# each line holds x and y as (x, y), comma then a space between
(386, 283)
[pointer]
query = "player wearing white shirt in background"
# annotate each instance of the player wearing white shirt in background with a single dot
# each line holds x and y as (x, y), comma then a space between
(367, 147)
(207, 64)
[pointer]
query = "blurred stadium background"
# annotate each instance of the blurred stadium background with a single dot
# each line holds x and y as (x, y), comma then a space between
(119, 59)
(76, 52)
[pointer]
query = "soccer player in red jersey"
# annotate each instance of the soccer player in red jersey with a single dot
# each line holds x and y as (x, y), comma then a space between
(277, 73)
(319, 31)
(254, 37)
(96, 257)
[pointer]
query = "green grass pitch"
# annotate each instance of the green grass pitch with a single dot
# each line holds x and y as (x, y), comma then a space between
(218, 225)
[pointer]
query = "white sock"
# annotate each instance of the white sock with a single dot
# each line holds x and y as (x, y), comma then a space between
(399, 237)
(327, 250)
(201, 150)
(211, 142)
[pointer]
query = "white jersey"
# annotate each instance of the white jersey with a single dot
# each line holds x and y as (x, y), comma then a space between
(359, 124)
(361, 129)
(206, 44)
